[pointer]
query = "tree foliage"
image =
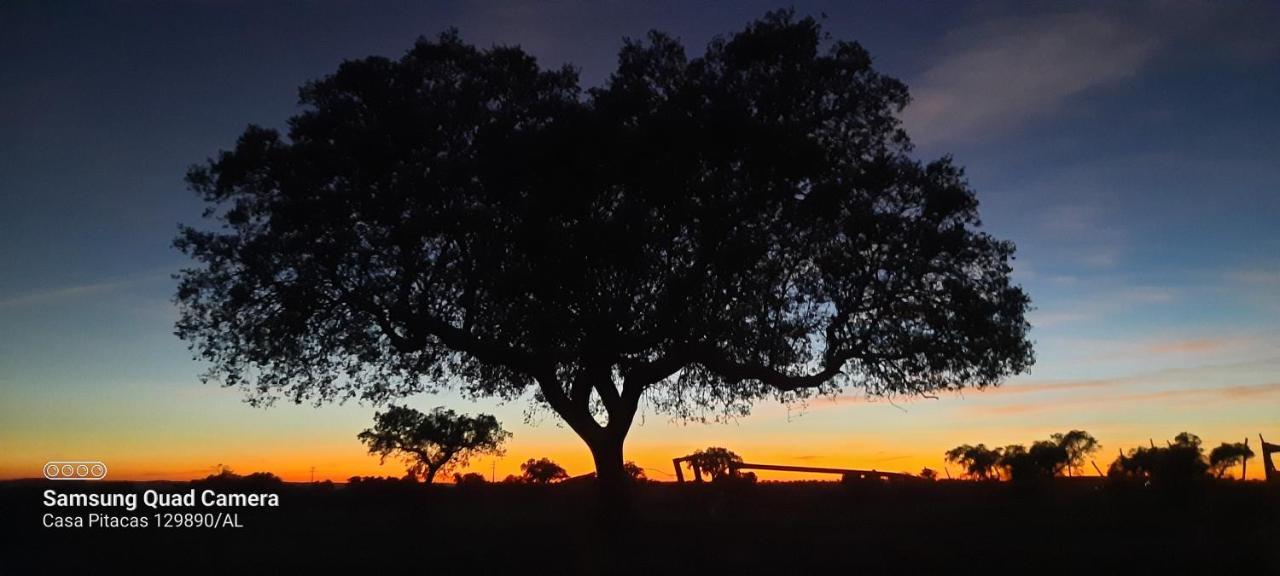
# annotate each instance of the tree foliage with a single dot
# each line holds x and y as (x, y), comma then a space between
(979, 461)
(634, 471)
(697, 233)
(1045, 459)
(715, 462)
(470, 479)
(1079, 445)
(541, 471)
(1179, 463)
(435, 442)
(1227, 456)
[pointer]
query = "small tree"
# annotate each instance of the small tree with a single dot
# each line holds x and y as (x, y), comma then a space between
(430, 443)
(635, 471)
(928, 474)
(469, 479)
(1227, 456)
(1078, 445)
(541, 471)
(716, 462)
(979, 461)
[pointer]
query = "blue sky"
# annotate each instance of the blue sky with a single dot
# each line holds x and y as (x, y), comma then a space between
(1131, 151)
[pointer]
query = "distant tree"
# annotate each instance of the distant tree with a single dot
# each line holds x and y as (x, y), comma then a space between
(1180, 463)
(635, 472)
(469, 479)
(1015, 462)
(221, 472)
(979, 461)
(513, 479)
(715, 462)
(434, 442)
(1079, 445)
(262, 478)
(541, 471)
(226, 475)
(381, 482)
(1185, 458)
(698, 233)
(928, 474)
(1045, 459)
(1227, 456)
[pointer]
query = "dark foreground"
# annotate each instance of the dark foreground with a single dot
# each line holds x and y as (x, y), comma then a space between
(800, 528)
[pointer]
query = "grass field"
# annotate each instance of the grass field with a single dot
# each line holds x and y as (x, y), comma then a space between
(1082, 526)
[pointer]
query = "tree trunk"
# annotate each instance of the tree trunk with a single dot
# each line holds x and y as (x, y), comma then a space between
(612, 482)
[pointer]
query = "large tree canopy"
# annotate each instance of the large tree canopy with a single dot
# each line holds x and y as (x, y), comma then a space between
(697, 233)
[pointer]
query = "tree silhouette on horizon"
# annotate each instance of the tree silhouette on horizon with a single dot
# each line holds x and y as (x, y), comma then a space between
(1228, 455)
(435, 442)
(541, 471)
(715, 462)
(695, 235)
(979, 461)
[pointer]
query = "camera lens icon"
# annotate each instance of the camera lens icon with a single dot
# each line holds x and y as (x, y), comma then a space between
(75, 470)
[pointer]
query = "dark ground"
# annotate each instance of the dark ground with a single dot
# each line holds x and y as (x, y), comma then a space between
(1077, 526)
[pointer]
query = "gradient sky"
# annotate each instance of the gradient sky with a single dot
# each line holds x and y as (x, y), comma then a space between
(1132, 152)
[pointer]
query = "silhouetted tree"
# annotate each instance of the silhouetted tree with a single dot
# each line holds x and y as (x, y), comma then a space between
(698, 233)
(262, 478)
(1226, 456)
(634, 471)
(382, 483)
(928, 474)
(541, 471)
(1079, 445)
(226, 475)
(434, 442)
(1045, 459)
(469, 479)
(222, 472)
(979, 461)
(1180, 463)
(715, 462)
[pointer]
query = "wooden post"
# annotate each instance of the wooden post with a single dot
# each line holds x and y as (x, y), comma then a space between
(1244, 463)
(1095, 467)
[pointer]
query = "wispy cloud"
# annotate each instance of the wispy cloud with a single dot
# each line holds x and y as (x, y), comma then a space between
(1194, 395)
(1103, 300)
(62, 293)
(1192, 346)
(56, 294)
(997, 76)
(994, 77)
(1258, 286)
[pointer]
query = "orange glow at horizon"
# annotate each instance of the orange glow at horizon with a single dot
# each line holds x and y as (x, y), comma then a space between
(340, 463)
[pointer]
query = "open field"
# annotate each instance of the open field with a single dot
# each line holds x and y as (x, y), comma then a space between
(1080, 526)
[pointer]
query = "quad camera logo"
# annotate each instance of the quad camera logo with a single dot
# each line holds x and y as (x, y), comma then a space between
(75, 470)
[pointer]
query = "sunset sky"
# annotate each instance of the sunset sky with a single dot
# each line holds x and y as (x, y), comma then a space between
(1131, 152)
